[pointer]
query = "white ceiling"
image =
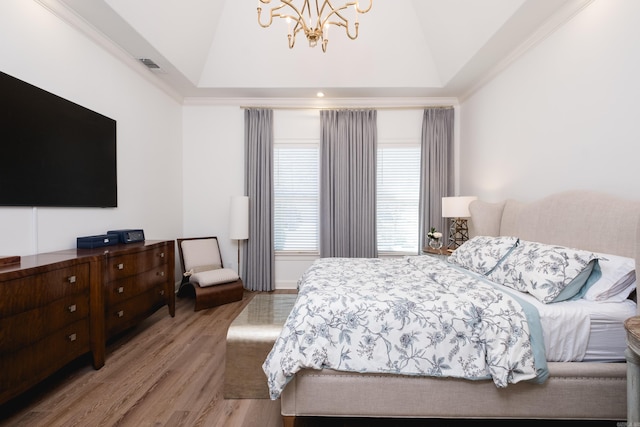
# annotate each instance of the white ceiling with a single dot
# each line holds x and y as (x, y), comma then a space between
(406, 48)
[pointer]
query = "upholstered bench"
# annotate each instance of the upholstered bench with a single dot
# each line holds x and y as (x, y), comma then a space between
(249, 340)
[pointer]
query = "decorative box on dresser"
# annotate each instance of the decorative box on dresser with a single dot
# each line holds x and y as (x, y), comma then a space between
(57, 306)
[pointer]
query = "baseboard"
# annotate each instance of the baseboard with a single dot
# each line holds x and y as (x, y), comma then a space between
(287, 284)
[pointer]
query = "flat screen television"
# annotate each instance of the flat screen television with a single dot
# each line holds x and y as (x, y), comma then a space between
(54, 152)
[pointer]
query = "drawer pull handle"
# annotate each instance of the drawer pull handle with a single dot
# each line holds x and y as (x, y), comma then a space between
(120, 266)
(162, 292)
(72, 308)
(120, 290)
(72, 279)
(160, 273)
(72, 337)
(120, 313)
(161, 254)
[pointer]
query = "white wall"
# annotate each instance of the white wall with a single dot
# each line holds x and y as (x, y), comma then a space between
(41, 49)
(564, 116)
(213, 172)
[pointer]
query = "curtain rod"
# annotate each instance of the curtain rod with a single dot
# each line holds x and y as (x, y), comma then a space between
(400, 107)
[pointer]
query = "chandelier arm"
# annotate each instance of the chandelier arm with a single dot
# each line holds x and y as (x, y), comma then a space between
(357, 5)
(334, 11)
(300, 12)
(299, 27)
(345, 22)
(346, 29)
(271, 16)
(319, 11)
(345, 6)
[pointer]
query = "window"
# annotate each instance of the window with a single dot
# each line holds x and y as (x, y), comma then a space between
(296, 197)
(297, 194)
(398, 194)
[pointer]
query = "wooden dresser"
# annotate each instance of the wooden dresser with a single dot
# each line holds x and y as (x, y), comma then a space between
(57, 306)
(137, 281)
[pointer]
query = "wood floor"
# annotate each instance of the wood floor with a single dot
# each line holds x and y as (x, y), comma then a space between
(165, 372)
(170, 372)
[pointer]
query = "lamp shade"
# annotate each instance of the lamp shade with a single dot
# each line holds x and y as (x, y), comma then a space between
(456, 207)
(239, 218)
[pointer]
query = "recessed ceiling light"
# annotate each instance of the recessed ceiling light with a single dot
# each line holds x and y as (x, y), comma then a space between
(320, 94)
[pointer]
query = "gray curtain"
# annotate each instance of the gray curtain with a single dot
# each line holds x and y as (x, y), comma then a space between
(258, 268)
(436, 169)
(348, 143)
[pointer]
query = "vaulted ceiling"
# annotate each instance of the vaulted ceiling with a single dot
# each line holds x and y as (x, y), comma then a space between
(406, 48)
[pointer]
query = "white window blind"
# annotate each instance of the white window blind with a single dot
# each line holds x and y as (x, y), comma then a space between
(398, 192)
(296, 197)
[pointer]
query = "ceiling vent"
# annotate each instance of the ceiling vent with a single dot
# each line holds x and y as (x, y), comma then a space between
(150, 64)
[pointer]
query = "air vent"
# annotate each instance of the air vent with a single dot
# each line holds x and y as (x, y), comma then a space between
(150, 64)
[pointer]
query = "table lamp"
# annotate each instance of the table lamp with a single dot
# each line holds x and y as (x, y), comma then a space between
(457, 208)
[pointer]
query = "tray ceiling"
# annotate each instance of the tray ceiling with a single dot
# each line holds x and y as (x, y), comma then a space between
(406, 48)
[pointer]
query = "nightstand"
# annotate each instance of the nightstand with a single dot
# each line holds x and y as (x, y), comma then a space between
(438, 253)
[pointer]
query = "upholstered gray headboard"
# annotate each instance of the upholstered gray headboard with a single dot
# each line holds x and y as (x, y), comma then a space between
(577, 219)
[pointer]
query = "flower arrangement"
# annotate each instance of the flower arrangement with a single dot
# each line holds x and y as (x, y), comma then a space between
(433, 234)
(434, 238)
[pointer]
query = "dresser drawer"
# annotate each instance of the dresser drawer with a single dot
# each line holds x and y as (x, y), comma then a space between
(33, 363)
(38, 290)
(126, 288)
(130, 312)
(121, 266)
(30, 326)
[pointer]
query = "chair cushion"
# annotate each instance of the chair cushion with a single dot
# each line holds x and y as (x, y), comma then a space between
(200, 252)
(213, 277)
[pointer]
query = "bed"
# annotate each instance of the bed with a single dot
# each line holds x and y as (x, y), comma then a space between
(579, 382)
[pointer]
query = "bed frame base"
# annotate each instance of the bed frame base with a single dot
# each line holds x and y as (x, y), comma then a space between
(567, 394)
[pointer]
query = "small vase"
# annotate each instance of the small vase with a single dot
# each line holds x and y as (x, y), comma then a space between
(435, 243)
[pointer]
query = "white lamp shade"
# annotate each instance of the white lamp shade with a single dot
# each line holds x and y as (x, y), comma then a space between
(239, 218)
(456, 207)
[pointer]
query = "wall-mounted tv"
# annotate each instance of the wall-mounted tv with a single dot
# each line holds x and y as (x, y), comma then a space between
(54, 152)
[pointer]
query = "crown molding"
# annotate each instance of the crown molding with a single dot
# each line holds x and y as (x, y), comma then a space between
(315, 103)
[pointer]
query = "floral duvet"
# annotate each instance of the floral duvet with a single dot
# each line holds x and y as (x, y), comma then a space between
(415, 315)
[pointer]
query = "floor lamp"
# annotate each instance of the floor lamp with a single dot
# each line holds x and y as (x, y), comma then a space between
(239, 221)
(457, 208)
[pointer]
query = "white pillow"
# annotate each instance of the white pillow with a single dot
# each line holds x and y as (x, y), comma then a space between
(213, 277)
(550, 273)
(617, 281)
(481, 254)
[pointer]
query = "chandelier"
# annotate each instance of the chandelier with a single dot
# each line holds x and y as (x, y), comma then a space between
(314, 22)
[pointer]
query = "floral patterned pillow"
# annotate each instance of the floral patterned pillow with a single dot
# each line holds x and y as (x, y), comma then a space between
(549, 273)
(481, 254)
